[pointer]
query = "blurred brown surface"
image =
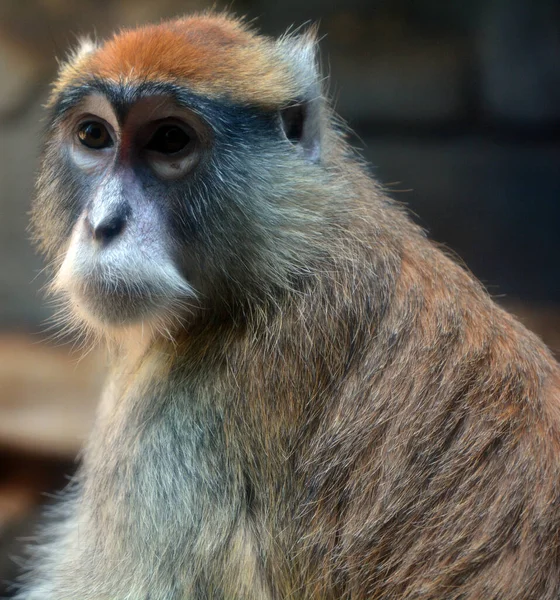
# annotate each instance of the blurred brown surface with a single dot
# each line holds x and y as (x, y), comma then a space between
(47, 396)
(543, 320)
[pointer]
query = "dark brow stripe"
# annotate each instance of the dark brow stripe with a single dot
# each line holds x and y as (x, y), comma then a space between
(222, 115)
(123, 95)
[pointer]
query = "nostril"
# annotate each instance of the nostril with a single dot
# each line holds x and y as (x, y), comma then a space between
(108, 228)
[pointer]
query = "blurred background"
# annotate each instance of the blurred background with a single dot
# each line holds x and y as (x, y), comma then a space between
(455, 104)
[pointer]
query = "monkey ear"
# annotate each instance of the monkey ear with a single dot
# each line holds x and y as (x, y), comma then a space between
(302, 120)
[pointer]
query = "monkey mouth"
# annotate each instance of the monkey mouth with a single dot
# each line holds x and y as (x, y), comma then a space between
(116, 302)
(107, 296)
(121, 284)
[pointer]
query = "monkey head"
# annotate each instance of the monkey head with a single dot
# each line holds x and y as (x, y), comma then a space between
(182, 168)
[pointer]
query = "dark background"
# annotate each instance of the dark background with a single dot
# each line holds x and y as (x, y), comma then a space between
(455, 104)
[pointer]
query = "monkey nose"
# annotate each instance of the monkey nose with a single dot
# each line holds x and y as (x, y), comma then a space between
(107, 228)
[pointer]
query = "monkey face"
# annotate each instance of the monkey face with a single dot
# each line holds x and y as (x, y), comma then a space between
(115, 171)
(154, 201)
(182, 172)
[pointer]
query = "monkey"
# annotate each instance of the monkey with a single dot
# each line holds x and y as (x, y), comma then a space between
(306, 398)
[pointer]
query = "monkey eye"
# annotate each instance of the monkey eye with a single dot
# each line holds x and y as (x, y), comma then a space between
(94, 135)
(169, 139)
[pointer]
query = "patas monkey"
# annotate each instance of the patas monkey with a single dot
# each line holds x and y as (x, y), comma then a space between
(307, 399)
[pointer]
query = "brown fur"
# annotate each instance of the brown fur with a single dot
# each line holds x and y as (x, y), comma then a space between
(215, 55)
(349, 416)
(408, 450)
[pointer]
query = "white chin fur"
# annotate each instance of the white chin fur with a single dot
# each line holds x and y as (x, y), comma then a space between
(111, 290)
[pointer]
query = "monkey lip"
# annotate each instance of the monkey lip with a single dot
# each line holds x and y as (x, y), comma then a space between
(119, 286)
(106, 294)
(112, 294)
(117, 302)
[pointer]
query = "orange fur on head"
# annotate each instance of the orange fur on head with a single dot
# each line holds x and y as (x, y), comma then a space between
(214, 55)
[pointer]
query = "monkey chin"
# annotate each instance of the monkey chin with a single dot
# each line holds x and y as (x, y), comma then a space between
(109, 304)
(121, 305)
